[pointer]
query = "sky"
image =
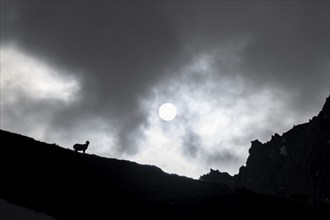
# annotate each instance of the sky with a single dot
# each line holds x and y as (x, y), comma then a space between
(236, 71)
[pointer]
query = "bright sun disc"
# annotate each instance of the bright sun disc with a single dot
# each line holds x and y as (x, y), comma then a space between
(167, 112)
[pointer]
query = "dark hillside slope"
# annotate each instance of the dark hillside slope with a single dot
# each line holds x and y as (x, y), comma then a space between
(68, 185)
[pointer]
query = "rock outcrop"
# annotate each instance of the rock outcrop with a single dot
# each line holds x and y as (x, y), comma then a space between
(297, 161)
(217, 176)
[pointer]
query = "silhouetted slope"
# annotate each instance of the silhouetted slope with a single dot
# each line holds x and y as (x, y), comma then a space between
(9, 211)
(68, 185)
(297, 161)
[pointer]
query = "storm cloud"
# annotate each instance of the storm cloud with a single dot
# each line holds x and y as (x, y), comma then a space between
(117, 50)
(236, 71)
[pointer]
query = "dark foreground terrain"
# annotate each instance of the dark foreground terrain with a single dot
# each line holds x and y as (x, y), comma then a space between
(68, 185)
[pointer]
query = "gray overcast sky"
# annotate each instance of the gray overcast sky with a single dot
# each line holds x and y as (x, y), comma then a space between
(98, 70)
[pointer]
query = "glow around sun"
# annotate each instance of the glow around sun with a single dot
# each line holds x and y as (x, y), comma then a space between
(167, 112)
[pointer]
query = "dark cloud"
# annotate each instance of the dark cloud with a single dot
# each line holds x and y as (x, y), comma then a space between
(193, 148)
(291, 51)
(118, 49)
(35, 112)
(191, 143)
(279, 44)
(224, 159)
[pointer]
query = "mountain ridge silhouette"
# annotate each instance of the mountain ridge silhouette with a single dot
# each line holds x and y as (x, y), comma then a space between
(68, 185)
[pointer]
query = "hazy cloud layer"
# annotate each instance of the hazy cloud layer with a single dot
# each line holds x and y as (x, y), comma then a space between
(236, 71)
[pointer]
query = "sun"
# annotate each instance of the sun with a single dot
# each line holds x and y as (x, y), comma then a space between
(167, 112)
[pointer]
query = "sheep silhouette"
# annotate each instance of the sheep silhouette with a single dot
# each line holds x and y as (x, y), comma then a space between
(81, 147)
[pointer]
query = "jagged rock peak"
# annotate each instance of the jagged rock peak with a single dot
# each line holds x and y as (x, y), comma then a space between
(216, 175)
(325, 113)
